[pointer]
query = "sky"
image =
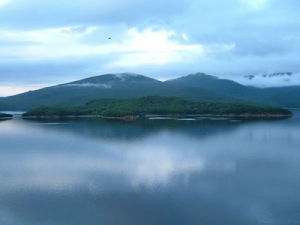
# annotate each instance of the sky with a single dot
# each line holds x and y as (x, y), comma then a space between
(49, 42)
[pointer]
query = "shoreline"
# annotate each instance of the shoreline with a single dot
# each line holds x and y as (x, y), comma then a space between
(136, 117)
(6, 118)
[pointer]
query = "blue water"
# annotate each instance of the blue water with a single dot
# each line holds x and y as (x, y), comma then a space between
(158, 172)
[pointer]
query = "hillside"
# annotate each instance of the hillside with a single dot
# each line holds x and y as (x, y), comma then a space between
(278, 96)
(105, 86)
(155, 105)
(211, 83)
(198, 87)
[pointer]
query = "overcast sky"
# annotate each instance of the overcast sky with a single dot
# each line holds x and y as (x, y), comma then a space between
(44, 42)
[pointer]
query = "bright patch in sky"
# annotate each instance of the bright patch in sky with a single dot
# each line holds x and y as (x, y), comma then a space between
(3, 2)
(146, 47)
(58, 41)
(155, 47)
(256, 4)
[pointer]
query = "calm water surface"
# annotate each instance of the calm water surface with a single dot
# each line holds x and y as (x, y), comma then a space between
(156, 172)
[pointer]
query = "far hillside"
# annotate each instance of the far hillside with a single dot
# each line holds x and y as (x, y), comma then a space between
(121, 86)
(196, 87)
(156, 105)
(277, 96)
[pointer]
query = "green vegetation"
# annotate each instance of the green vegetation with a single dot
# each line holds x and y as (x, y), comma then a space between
(105, 86)
(197, 87)
(277, 96)
(155, 105)
(5, 116)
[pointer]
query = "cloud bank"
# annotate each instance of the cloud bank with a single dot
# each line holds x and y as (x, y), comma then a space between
(50, 42)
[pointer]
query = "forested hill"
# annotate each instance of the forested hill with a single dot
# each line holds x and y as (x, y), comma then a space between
(199, 87)
(105, 86)
(278, 96)
(155, 105)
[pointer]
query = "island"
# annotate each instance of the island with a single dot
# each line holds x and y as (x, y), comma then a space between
(4, 116)
(132, 109)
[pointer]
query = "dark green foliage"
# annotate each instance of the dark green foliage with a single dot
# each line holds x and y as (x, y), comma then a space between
(154, 105)
(4, 115)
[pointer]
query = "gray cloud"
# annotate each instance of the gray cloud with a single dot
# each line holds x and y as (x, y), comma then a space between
(227, 38)
(52, 71)
(39, 14)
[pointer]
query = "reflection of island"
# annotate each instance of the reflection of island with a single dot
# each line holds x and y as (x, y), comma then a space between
(173, 172)
(124, 183)
(132, 109)
(169, 170)
(119, 129)
(88, 177)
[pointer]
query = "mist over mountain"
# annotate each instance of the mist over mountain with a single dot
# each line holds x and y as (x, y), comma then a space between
(197, 86)
(284, 79)
(280, 96)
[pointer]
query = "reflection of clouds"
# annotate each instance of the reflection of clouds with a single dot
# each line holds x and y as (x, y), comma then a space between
(137, 165)
(52, 160)
(58, 171)
(245, 176)
(152, 166)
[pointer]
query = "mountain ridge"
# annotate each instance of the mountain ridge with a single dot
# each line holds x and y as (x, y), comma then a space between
(196, 86)
(123, 85)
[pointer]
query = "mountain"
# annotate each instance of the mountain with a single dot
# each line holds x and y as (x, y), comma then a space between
(210, 83)
(279, 96)
(284, 79)
(198, 86)
(125, 85)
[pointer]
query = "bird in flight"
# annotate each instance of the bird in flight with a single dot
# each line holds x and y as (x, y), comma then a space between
(109, 38)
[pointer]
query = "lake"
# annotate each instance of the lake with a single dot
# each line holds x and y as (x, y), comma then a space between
(150, 172)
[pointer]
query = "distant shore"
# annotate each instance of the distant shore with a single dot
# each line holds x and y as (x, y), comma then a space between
(151, 106)
(136, 117)
(5, 118)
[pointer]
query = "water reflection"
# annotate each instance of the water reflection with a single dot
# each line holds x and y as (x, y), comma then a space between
(149, 172)
(116, 130)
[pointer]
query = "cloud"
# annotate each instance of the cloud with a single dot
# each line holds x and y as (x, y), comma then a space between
(255, 4)
(4, 2)
(66, 41)
(51, 41)
(83, 85)
(271, 80)
(37, 14)
(154, 47)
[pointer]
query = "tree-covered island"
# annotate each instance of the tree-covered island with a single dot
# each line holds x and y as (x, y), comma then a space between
(158, 106)
(5, 116)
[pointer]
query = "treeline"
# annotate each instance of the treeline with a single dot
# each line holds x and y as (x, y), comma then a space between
(155, 105)
(5, 115)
